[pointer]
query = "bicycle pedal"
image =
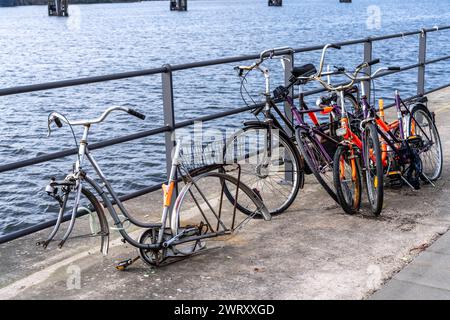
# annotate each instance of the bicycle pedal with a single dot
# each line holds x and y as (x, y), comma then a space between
(126, 263)
(394, 174)
(395, 179)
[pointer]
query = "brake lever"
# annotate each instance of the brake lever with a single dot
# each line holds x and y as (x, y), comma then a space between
(51, 119)
(49, 129)
(239, 71)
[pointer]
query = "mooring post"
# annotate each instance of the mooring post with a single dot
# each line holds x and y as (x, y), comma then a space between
(422, 60)
(367, 58)
(178, 5)
(275, 3)
(169, 114)
(288, 67)
(58, 8)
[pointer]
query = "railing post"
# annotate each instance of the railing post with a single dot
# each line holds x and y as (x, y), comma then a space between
(288, 67)
(169, 114)
(368, 51)
(422, 60)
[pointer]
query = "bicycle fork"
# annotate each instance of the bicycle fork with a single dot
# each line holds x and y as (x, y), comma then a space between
(78, 190)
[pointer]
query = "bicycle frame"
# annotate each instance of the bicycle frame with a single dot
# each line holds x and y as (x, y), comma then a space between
(81, 176)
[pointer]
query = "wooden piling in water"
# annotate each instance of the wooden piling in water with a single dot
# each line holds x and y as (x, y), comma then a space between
(59, 8)
(275, 3)
(178, 5)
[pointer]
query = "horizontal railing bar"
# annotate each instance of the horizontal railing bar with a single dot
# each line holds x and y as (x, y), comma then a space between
(154, 71)
(73, 151)
(438, 88)
(80, 81)
(437, 60)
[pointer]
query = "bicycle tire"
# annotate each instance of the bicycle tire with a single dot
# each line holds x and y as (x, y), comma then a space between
(375, 182)
(305, 143)
(354, 206)
(182, 214)
(276, 204)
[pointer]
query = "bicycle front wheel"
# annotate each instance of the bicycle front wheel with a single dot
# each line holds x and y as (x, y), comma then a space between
(347, 179)
(318, 161)
(90, 218)
(276, 178)
(373, 165)
(201, 210)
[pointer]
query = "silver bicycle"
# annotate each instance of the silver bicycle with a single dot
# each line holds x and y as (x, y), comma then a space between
(188, 219)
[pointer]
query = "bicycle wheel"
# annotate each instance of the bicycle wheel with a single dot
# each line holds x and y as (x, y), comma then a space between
(347, 180)
(201, 211)
(422, 125)
(276, 179)
(90, 216)
(374, 171)
(319, 163)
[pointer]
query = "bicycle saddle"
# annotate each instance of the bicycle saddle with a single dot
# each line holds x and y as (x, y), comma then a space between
(304, 71)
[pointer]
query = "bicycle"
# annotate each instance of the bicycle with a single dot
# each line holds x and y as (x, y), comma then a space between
(181, 232)
(359, 149)
(409, 152)
(284, 130)
(411, 145)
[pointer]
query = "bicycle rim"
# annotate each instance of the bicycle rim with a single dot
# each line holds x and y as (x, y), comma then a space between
(422, 125)
(347, 179)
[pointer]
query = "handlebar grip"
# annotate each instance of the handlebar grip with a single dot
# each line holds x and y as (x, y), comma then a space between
(339, 68)
(371, 63)
(335, 46)
(394, 68)
(136, 114)
(58, 122)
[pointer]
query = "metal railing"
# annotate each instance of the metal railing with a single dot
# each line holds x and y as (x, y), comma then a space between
(166, 72)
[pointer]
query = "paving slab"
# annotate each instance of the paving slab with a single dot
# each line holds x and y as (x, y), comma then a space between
(426, 277)
(404, 290)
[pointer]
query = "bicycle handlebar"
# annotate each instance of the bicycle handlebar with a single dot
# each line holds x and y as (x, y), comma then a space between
(263, 56)
(59, 119)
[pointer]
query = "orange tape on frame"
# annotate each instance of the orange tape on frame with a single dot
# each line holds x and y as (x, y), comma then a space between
(168, 191)
(327, 110)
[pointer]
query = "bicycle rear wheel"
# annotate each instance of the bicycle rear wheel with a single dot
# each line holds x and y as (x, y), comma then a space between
(373, 165)
(201, 211)
(319, 163)
(276, 179)
(422, 125)
(347, 179)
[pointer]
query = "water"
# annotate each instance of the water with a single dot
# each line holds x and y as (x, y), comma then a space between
(108, 38)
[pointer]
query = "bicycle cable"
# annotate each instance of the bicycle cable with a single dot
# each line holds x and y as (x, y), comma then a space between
(243, 87)
(73, 135)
